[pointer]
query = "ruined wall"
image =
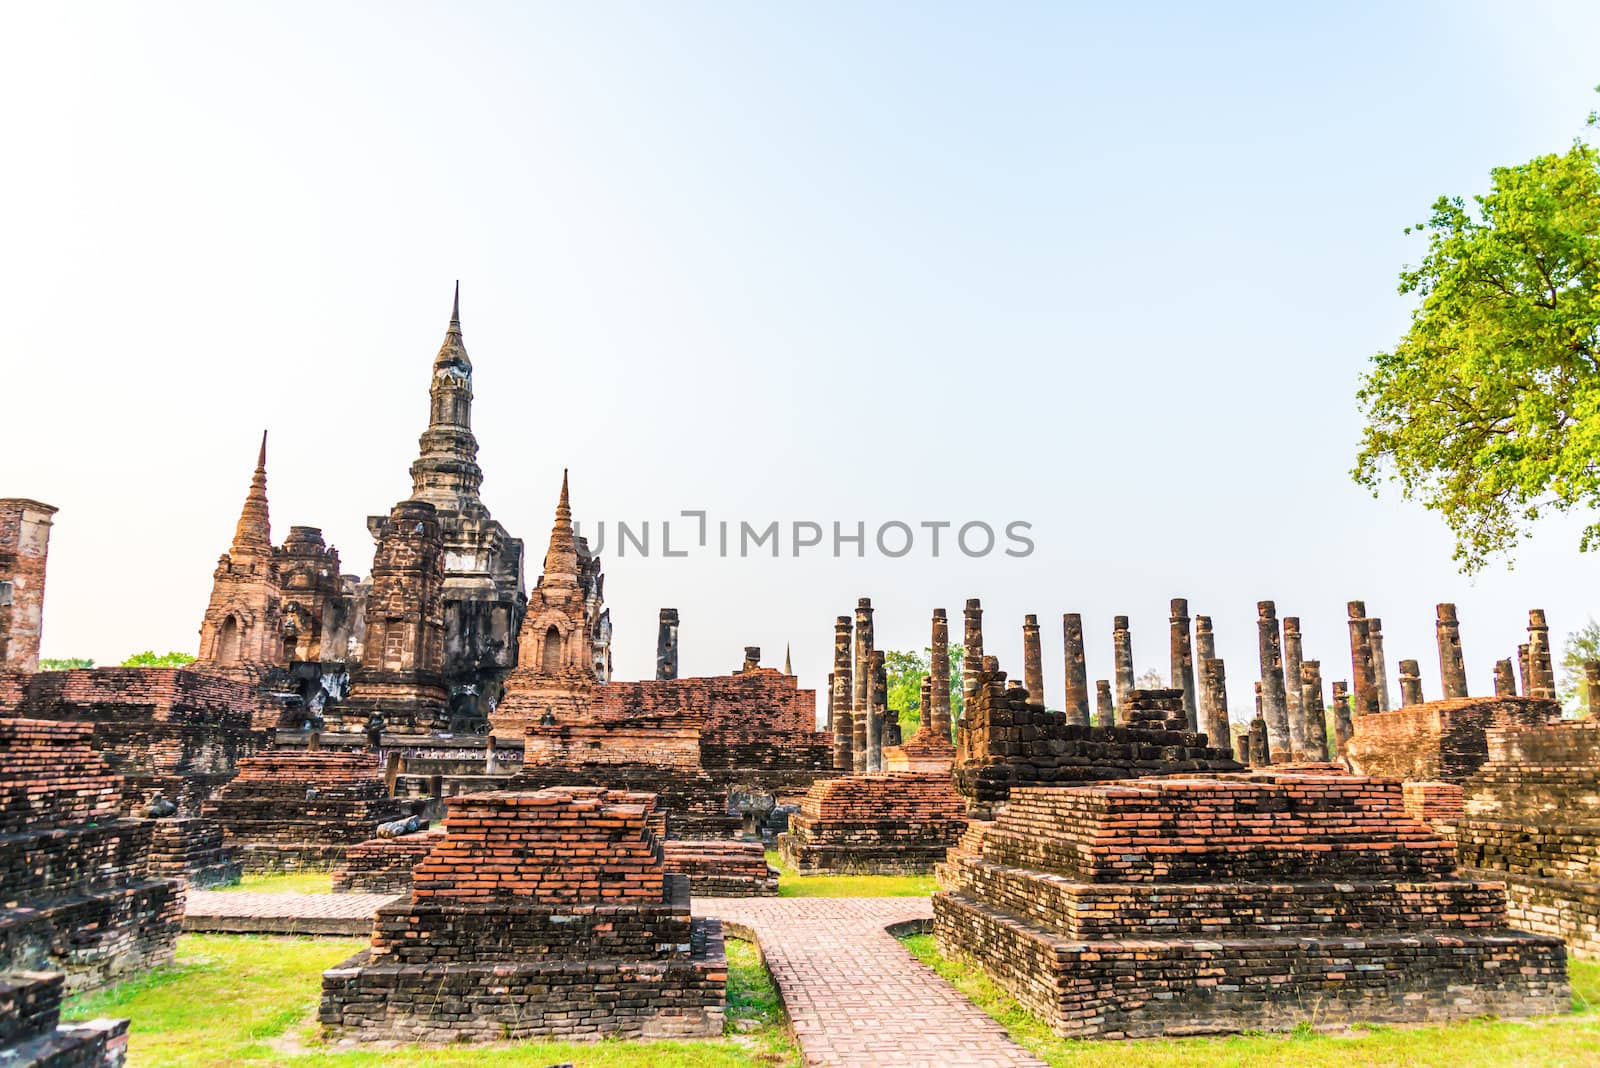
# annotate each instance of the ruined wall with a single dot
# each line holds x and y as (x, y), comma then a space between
(24, 549)
(1444, 740)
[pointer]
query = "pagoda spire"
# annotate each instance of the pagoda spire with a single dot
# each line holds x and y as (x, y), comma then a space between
(253, 535)
(454, 351)
(561, 561)
(787, 670)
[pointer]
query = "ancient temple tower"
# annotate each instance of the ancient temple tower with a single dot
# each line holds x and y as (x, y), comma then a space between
(565, 645)
(242, 632)
(24, 547)
(483, 589)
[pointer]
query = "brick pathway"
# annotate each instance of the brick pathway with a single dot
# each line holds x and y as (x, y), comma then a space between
(854, 995)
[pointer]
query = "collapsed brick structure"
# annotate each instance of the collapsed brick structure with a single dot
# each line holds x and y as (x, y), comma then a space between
(24, 552)
(384, 865)
(887, 823)
(546, 914)
(192, 849)
(1531, 817)
(1438, 740)
(288, 810)
(31, 1033)
(80, 894)
(1007, 740)
(1189, 906)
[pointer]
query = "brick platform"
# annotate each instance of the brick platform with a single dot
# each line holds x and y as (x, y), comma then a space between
(891, 823)
(1439, 740)
(384, 865)
(1193, 906)
(539, 914)
(79, 893)
(191, 849)
(248, 912)
(31, 1033)
(289, 810)
(1005, 740)
(1532, 818)
(721, 868)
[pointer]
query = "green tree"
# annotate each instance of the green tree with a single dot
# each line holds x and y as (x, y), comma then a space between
(148, 658)
(1487, 411)
(70, 663)
(906, 670)
(1582, 645)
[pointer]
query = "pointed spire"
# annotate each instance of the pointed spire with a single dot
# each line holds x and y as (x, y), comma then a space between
(455, 309)
(561, 560)
(253, 535)
(454, 351)
(787, 670)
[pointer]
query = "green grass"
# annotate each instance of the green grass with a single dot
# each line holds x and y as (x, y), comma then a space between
(286, 882)
(1553, 1042)
(252, 999)
(792, 885)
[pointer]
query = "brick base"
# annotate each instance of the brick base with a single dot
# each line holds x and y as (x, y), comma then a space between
(1561, 907)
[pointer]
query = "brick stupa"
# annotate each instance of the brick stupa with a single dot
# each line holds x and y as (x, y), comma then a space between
(540, 914)
(887, 823)
(1265, 901)
(79, 895)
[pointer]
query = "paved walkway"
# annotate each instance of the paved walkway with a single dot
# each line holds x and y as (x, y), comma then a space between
(854, 995)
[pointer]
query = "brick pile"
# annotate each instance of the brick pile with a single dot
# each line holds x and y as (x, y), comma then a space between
(173, 730)
(1259, 901)
(79, 892)
(1438, 804)
(1005, 740)
(384, 865)
(288, 810)
(31, 1032)
(546, 914)
(1531, 817)
(1439, 740)
(883, 823)
(191, 849)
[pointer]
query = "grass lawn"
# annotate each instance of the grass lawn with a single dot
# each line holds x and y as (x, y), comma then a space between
(792, 885)
(1554, 1042)
(298, 882)
(252, 999)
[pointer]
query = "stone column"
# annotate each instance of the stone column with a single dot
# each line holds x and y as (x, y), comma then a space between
(1343, 726)
(861, 706)
(1522, 668)
(828, 723)
(877, 712)
(1241, 743)
(1077, 675)
(1591, 689)
(1214, 698)
(843, 694)
(927, 726)
(1205, 648)
(1505, 679)
(1274, 709)
(1452, 666)
(667, 645)
(939, 676)
(1541, 672)
(1293, 655)
(1183, 661)
(1314, 715)
(1260, 744)
(1410, 683)
(752, 658)
(1122, 654)
(1380, 668)
(1365, 678)
(972, 654)
(1105, 714)
(1032, 660)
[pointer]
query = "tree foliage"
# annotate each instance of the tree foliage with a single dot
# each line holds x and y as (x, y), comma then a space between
(149, 658)
(1488, 409)
(906, 671)
(70, 663)
(1582, 645)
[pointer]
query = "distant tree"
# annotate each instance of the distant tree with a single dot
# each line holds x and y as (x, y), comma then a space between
(71, 663)
(1582, 645)
(148, 658)
(1488, 409)
(906, 671)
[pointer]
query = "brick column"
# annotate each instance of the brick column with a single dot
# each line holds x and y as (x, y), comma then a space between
(1343, 727)
(877, 712)
(1077, 675)
(1365, 679)
(862, 701)
(1260, 744)
(1522, 669)
(1312, 711)
(1105, 713)
(927, 727)
(1380, 667)
(1299, 728)
(1274, 709)
(1032, 660)
(939, 675)
(752, 658)
(1541, 672)
(1183, 661)
(1214, 698)
(1410, 683)
(842, 699)
(1205, 648)
(1452, 666)
(972, 654)
(1505, 679)
(667, 645)
(1122, 656)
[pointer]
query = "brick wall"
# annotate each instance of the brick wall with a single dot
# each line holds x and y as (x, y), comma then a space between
(1439, 739)
(886, 823)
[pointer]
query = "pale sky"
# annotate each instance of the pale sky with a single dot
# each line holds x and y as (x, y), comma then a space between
(1111, 272)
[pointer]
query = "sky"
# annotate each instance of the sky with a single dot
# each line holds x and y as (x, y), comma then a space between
(1113, 271)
